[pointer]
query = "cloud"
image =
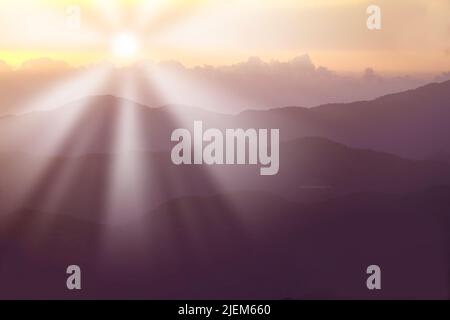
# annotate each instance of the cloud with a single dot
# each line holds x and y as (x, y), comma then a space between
(444, 76)
(252, 84)
(44, 64)
(298, 82)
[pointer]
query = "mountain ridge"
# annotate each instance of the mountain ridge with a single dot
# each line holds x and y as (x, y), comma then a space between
(412, 124)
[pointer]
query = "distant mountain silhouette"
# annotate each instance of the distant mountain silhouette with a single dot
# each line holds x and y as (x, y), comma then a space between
(245, 245)
(351, 192)
(311, 169)
(412, 124)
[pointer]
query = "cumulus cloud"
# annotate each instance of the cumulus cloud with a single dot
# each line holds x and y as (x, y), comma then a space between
(298, 82)
(252, 84)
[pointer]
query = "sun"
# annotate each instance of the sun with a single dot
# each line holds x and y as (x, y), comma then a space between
(125, 45)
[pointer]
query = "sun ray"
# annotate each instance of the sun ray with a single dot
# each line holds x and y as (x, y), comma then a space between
(172, 85)
(54, 142)
(126, 200)
(155, 16)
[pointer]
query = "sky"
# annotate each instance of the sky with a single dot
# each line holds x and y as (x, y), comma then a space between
(414, 37)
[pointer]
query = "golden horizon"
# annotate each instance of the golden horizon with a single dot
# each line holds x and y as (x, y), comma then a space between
(414, 37)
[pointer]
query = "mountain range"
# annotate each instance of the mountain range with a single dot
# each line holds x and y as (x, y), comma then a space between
(411, 124)
(359, 184)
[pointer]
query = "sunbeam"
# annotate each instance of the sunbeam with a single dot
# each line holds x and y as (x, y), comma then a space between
(155, 16)
(172, 85)
(126, 195)
(178, 86)
(47, 143)
(109, 11)
(54, 32)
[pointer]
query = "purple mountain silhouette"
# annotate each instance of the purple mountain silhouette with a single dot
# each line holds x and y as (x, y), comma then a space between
(351, 192)
(262, 247)
(412, 124)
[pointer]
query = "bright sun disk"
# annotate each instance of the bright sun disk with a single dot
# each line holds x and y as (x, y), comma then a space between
(125, 45)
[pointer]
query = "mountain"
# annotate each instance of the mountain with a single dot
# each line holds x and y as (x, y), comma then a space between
(311, 169)
(92, 183)
(412, 124)
(240, 246)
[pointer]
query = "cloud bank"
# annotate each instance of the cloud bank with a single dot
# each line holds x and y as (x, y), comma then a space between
(253, 84)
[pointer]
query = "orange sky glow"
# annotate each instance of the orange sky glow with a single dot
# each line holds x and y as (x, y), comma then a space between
(415, 34)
